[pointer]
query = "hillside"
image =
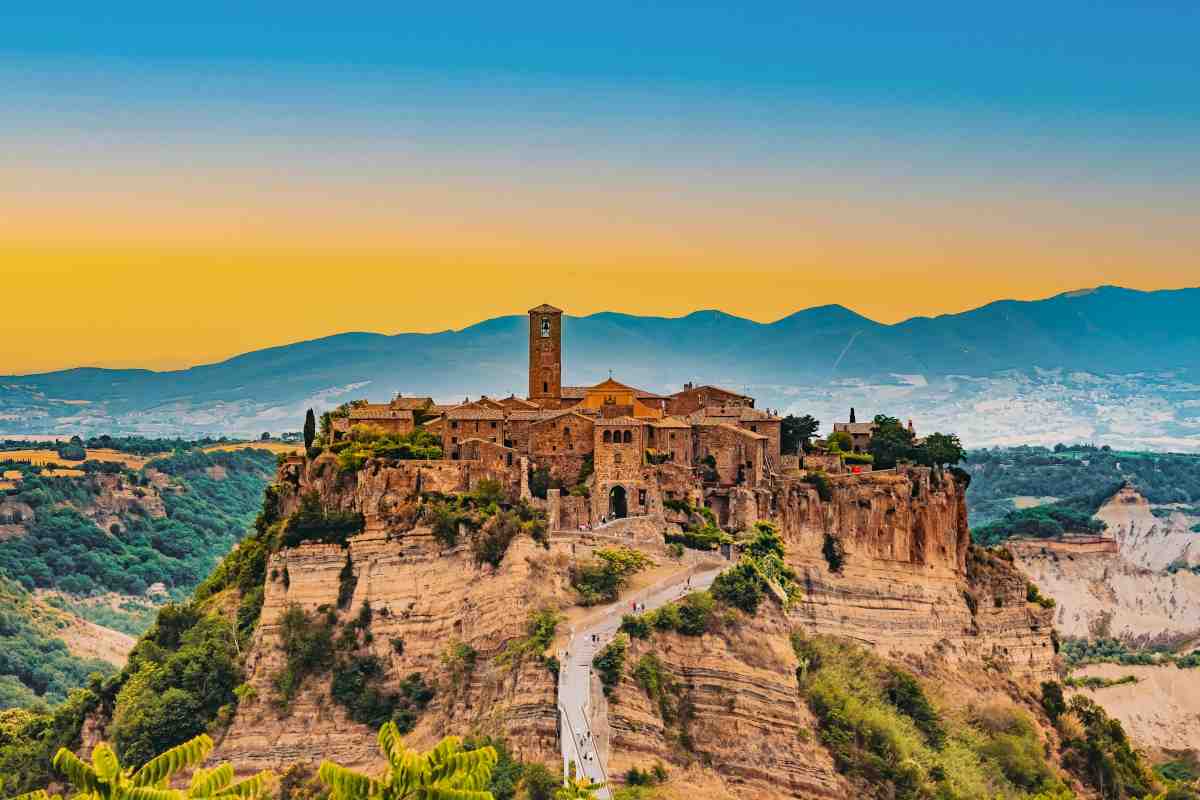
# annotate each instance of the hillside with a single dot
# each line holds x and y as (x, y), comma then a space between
(1075, 367)
(397, 591)
(90, 553)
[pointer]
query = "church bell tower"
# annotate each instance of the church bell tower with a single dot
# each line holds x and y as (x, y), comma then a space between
(545, 355)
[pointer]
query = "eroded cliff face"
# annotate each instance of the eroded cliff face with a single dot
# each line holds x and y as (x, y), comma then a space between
(908, 585)
(1125, 589)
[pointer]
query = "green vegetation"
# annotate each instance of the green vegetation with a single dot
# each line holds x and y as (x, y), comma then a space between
(540, 628)
(692, 616)
(447, 772)
(106, 779)
(739, 586)
(34, 663)
(610, 662)
(1032, 595)
(312, 522)
(600, 579)
(1049, 521)
(795, 433)
(835, 554)
(698, 535)
(355, 688)
(1082, 471)
(365, 442)
(1096, 682)
(888, 737)
(892, 443)
(761, 570)
(307, 643)
(491, 523)
(205, 516)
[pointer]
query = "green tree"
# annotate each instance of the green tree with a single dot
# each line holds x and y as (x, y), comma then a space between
(891, 442)
(840, 441)
(310, 429)
(796, 432)
(447, 772)
(941, 449)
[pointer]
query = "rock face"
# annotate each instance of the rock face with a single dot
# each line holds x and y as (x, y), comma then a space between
(1123, 589)
(908, 584)
(1161, 711)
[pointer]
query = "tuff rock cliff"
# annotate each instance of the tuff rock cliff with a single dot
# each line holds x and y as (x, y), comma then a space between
(909, 585)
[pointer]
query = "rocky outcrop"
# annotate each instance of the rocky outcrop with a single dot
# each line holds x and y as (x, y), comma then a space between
(907, 584)
(1123, 589)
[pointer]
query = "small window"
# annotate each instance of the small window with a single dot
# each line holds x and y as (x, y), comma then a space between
(453, 440)
(617, 457)
(545, 387)
(754, 428)
(628, 437)
(454, 423)
(493, 423)
(607, 437)
(641, 497)
(567, 430)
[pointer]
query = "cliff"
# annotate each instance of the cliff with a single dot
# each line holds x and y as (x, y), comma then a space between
(908, 585)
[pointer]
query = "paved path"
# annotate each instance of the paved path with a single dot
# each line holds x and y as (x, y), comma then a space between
(574, 686)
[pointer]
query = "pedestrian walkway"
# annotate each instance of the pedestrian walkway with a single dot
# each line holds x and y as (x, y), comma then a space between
(574, 686)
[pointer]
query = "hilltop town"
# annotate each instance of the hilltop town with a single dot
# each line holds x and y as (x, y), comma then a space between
(612, 450)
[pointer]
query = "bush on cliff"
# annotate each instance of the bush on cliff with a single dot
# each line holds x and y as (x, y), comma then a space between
(610, 662)
(365, 442)
(312, 522)
(892, 741)
(600, 579)
(739, 586)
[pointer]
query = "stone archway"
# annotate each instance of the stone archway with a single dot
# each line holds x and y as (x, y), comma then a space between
(618, 503)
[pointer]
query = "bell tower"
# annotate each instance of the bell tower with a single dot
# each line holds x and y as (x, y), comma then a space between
(545, 354)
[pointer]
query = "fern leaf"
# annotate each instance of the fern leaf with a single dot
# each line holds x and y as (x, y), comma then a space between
(81, 775)
(105, 763)
(346, 784)
(151, 793)
(247, 789)
(185, 756)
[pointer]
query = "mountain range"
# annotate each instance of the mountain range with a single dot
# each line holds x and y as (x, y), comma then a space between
(1139, 344)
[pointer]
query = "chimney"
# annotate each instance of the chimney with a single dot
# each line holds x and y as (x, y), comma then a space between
(852, 414)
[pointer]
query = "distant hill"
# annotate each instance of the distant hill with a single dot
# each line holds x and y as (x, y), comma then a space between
(1103, 331)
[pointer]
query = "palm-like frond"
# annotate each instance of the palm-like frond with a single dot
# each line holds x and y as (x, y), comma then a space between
(38, 794)
(346, 784)
(160, 768)
(81, 775)
(245, 789)
(152, 793)
(207, 782)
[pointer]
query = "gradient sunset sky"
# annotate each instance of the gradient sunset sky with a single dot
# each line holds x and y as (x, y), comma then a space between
(182, 185)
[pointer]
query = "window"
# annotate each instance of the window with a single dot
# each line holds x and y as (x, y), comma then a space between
(493, 423)
(617, 457)
(641, 497)
(607, 437)
(454, 423)
(567, 431)
(453, 440)
(545, 387)
(628, 437)
(754, 428)
(545, 327)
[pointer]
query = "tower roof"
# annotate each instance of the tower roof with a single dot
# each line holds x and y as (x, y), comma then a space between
(545, 309)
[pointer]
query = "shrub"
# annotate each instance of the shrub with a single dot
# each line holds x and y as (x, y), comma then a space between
(739, 586)
(883, 732)
(313, 523)
(819, 482)
(601, 579)
(692, 616)
(365, 443)
(459, 663)
(355, 687)
(540, 628)
(610, 662)
(835, 554)
(307, 642)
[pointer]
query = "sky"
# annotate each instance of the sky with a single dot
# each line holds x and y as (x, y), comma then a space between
(180, 185)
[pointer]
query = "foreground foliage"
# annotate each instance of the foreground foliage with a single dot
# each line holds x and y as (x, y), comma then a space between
(447, 772)
(106, 779)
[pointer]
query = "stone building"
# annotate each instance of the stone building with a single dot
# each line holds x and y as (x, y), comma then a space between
(694, 398)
